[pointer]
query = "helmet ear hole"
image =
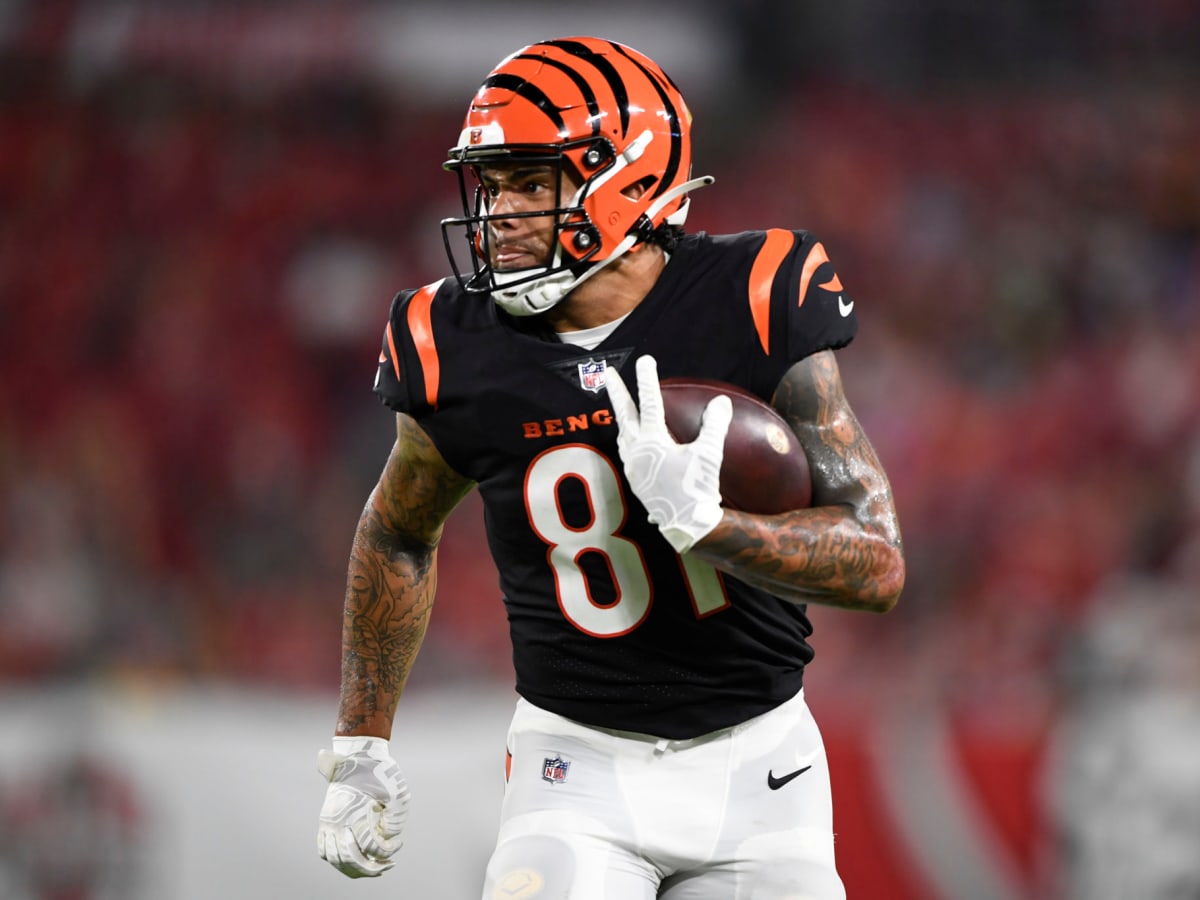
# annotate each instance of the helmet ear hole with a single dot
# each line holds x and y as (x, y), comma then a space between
(639, 187)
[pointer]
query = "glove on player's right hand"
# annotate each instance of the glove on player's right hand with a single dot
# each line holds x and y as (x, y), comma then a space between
(365, 806)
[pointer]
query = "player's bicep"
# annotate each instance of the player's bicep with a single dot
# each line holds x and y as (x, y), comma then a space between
(418, 489)
(845, 468)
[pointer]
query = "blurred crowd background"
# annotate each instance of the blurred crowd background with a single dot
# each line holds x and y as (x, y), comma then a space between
(205, 209)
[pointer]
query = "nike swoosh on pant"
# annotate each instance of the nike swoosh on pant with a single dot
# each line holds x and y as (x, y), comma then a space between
(776, 783)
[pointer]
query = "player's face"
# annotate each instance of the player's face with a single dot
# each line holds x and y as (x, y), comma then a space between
(516, 239)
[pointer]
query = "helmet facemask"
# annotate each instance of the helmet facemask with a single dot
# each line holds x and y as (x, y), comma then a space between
(574, 240)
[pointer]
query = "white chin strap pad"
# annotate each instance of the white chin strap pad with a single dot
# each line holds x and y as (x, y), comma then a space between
(534, 296)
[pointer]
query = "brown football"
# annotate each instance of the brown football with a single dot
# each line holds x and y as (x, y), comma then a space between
(764, 469)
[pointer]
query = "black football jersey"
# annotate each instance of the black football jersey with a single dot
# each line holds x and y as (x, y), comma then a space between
(609, 625)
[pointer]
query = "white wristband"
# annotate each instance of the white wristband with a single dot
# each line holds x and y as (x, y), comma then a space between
(348, 745)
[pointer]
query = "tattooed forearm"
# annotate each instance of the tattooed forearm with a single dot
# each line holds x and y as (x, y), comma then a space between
(846, 550)
(392, 580)
(822, 555)
(389, 596)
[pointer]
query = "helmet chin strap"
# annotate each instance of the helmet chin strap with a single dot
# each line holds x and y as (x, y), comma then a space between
(532, 297)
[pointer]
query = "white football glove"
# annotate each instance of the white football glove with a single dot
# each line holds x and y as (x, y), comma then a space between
(679, 484)
(365, 806)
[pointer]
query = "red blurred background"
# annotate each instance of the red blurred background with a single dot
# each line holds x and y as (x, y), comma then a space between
(205, 210)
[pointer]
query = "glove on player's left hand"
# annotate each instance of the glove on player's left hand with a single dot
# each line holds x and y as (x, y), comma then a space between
(365, 806)
(679, 484)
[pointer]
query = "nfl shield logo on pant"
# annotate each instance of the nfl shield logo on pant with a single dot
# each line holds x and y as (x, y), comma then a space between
(555, 770)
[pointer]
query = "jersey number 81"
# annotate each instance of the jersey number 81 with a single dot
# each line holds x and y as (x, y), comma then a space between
(626, 565)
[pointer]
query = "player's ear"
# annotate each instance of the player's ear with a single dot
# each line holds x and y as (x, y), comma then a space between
(635, 190)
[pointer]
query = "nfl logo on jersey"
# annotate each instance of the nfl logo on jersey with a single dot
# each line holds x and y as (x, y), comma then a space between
(591, 375)
(555, 770)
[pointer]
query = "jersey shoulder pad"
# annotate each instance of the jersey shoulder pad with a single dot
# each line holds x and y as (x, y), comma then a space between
(797, 300)
(410, 363)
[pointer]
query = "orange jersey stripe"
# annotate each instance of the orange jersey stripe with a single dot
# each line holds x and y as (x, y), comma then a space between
(815, 257)
(392, 350)
(420, 326)
(762, 276)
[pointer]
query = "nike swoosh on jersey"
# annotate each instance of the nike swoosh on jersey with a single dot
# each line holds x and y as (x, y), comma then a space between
(845, 308)
(776, 783)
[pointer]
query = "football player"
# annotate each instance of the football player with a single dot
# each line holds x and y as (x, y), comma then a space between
(661, 746)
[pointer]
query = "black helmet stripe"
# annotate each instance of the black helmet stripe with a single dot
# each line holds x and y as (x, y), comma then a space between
(532, 93)
(589, 96)
(615, 83)
(673, 116)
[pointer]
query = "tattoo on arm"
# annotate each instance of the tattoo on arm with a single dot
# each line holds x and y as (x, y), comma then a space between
(844, 551)
(392, 580)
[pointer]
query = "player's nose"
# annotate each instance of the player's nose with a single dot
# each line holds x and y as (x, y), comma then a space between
(504, 205)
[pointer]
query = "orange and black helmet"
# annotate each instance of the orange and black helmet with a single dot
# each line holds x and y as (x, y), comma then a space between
(603, 112)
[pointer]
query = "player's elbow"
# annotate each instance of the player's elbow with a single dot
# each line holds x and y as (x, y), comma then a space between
(888, 583)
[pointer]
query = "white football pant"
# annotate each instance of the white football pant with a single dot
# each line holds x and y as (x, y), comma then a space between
(740, 814)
